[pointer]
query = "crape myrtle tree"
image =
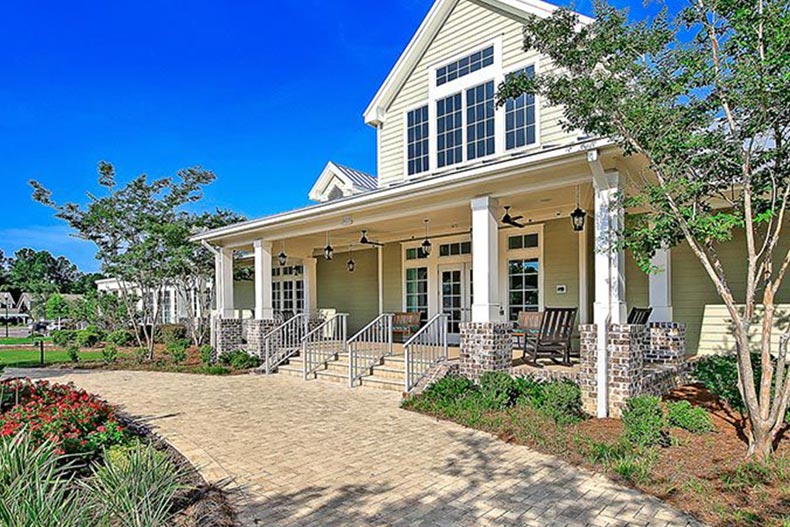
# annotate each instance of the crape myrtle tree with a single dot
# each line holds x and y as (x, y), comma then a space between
(191, 269)
(134, 228)
(703, 99)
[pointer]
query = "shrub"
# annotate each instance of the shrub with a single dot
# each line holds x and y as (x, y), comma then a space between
(74, 353)
(239, 360)
(167, 333)
(109, 353)
(120, 337)
(134, 486)
(644, 421)
(76, 421)
(634, 468)
(212, 370)
(140, 354)
(63, 337)
(529, 392)
(178, 350)
(206, 354)
(692, 418)
(719, 374)
(562, 401)
(448, 389)
(497, 390)
(88, 337)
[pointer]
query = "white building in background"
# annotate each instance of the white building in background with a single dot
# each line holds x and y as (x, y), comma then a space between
(167, 305)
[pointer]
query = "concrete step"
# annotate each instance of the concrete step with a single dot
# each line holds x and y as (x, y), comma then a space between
(389, 372)
(332, 376)
(382, 383)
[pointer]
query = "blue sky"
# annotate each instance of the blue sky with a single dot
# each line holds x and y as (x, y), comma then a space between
(263, 93)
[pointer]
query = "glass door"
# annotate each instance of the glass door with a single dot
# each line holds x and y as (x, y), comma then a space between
(455, 297)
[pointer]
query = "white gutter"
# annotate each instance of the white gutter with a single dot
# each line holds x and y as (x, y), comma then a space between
(474, 175)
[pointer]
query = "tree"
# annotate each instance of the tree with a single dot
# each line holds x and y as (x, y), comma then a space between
(57, 307)
(704, 100)
(192, 269)
(134, 227)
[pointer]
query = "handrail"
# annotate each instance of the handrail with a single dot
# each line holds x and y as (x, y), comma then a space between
(282, 343)
(323, 342)
(425, 349)
(371, 344)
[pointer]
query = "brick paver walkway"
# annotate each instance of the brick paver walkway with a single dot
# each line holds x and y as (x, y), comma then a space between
(314, 454)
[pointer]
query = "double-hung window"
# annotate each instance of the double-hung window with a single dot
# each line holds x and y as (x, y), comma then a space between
(449, 129)
(480, 121)
(418, 142)
(520, 117)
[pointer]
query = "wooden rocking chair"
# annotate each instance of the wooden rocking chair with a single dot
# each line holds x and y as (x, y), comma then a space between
(554, 337)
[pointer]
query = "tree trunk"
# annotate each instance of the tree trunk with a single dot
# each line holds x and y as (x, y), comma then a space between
(762, 443)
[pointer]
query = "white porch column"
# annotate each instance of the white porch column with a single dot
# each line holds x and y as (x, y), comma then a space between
(584, 275)
(661, 286)
(380, 261)
(310, 284)
(609, 307)
(224, 282)
(485, 260)
(262, 251)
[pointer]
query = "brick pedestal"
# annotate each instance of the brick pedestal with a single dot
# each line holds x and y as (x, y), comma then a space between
(229, 335)
(587, 379)
(626, 365)
(485, 346)
(665, 343)
(256, 330)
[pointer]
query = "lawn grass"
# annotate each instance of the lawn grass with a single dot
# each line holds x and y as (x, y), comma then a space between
(25, 358)
(18, 341)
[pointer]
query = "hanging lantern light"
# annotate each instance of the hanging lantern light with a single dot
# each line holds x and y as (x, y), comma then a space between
(578, 216)
(282, 258)
(329, 251)
(426, 244)
(351, 264)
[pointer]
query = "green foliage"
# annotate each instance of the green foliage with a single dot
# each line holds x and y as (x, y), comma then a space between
(139, 355)
(63, 337)
(692, 418)
(35, 485)
(56, 307)
(529, 392)
(134, 487)
(167, 333)
(74, 353)
(206, 354)
(178, 350)
(120, 337)
(89, 337)
(497, 390)
(239, 360)
(212, 370)
(644, 421)
(562, 401)
(109, 353)
(719, 374)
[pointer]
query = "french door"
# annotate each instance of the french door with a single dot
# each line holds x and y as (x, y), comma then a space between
(455, 297)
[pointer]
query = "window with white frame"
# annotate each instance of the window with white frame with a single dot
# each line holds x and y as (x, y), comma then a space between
(455, 249)
(417, 291)
(480, 112)
(418, 141)
(449, 129)
(520, 127)
(288, 289)
(465, 65)
(523, 286)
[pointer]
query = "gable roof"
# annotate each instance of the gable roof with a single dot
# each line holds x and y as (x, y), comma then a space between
(430, 27)
(347, 180)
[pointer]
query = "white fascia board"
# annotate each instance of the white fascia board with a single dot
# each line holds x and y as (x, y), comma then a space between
(395, 193)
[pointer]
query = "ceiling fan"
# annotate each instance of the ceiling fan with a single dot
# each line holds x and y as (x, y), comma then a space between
(364, 240)
(507, 219)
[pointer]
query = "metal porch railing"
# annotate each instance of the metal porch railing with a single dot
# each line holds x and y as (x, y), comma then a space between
(323, 343)
(371, 344)
(425, 349)
(284, 341)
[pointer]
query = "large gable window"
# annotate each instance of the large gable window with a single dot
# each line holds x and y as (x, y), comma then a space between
(419, 155)
(480, 121)
(449, 127)
(520, 117)
(464, 66)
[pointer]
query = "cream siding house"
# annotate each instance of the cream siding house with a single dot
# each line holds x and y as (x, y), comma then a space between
(450, 166)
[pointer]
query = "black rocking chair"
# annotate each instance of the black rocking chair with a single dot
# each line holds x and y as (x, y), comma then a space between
(554, 337)
(639, 316)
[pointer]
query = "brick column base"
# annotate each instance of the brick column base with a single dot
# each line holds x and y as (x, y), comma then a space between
(665, 343)
(485, 346)
(256, 330)
(229, 335)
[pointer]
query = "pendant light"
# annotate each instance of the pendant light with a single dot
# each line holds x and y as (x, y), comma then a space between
(426, 244)
(329, 251)
(282, 258)
(351, 264)
(578, 216)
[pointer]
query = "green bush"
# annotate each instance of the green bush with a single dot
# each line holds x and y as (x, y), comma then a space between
(134, 486)
(63, 337)
(206, 354)
(89, 337)
(644, 421)
(529, 391)
(719, 374)
(449, 389)
(120, 337)
(239, 360)
(140, 355)
(692, 418)
(74, 353)
(178, 350)
(109, 353)
(497, 390)
(167, 333)
(562, 401)
(212, 370)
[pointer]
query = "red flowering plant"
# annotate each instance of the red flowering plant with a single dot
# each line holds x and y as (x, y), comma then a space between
(77, 421)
